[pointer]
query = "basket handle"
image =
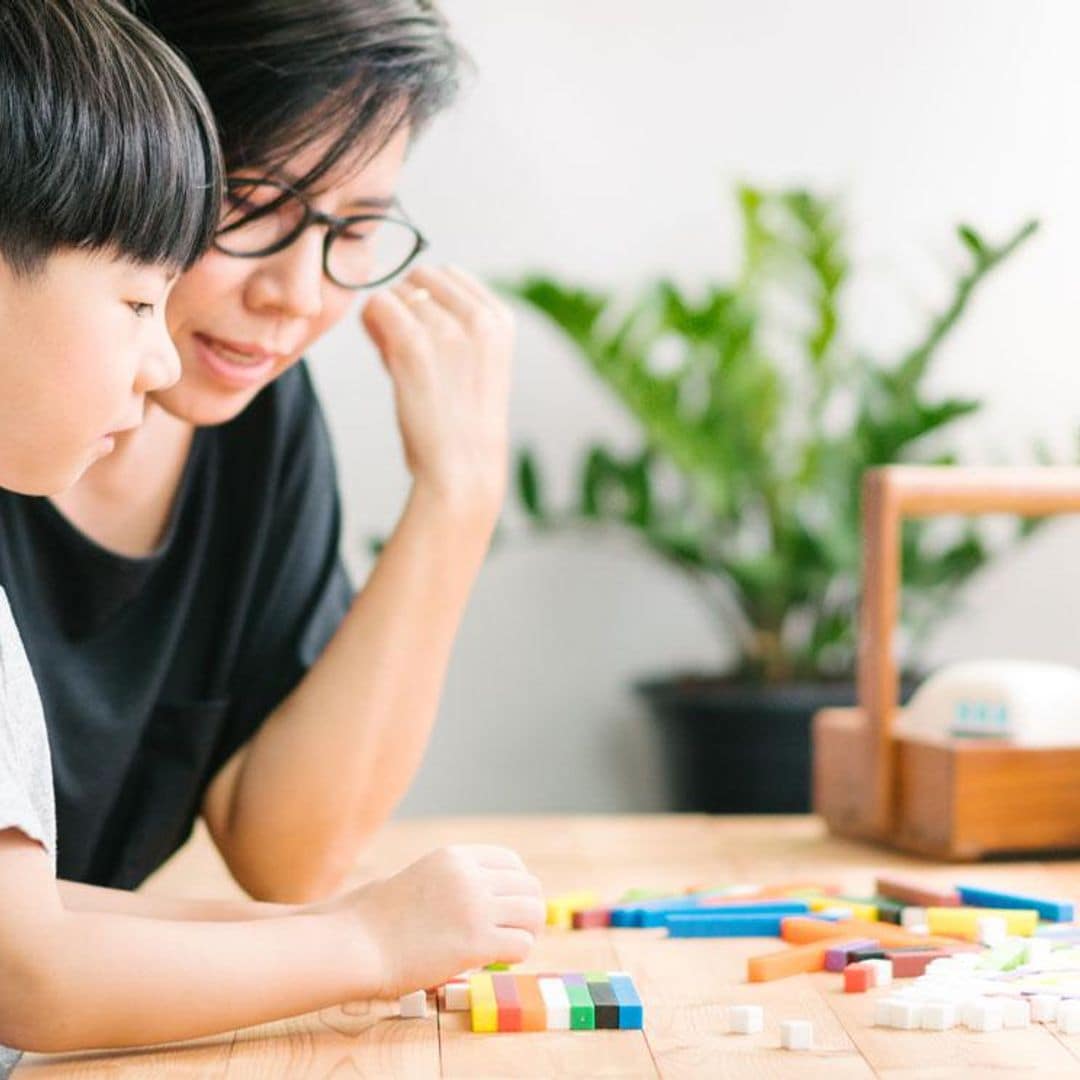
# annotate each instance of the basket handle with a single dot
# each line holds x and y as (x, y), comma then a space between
(896, 492)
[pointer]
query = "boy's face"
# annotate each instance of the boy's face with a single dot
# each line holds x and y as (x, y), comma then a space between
(81, 345)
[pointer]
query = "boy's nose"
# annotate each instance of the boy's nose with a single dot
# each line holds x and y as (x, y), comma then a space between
(161, 366)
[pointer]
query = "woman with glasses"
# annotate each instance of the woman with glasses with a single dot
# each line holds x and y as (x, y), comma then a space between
(199, 647)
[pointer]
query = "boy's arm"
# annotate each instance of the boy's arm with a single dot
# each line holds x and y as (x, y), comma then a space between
(89, 898)
(77, 980)
(81, 980)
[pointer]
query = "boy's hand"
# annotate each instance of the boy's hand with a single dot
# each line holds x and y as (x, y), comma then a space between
(456, 908)
(447, 342)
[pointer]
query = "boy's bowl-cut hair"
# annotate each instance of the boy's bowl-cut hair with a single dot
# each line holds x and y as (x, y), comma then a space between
(106, 140)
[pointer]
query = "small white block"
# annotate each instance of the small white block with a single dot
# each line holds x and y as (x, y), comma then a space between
(912, 916)
(556, 1003)
(939, 1016)
(456, 996)
(881, 972)
(919, 928)
(885, 1011)
(745, 1019)
(1015, 1012)
(414, 1005)
(907, 1015)
(1038, 951)
(796, 1034)
(983, 1014)
(1068, 1016)
(1044, 1008)
(991, 930)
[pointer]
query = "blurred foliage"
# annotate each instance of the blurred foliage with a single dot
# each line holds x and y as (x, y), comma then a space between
(757, 419)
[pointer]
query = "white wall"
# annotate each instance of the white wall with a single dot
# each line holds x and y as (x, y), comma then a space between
(600, 140)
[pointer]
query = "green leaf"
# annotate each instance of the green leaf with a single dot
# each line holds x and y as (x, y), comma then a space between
(974, 242)
(529, 486)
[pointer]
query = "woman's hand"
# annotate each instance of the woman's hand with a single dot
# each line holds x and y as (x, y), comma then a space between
(447, 342)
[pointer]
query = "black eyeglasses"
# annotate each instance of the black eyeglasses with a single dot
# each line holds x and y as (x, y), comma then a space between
(263, 217)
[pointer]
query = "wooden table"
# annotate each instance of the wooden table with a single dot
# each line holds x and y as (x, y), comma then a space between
(685, 984)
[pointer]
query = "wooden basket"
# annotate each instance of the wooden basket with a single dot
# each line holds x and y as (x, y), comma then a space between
(956, 798)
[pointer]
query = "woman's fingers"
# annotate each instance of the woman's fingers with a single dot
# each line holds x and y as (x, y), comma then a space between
(426, 307)
(458, 301)
(389, 319)
(479, 292)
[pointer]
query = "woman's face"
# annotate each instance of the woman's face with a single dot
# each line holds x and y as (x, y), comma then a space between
(239, 323)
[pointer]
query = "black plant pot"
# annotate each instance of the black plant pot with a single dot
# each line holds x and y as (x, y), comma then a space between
(739, 748)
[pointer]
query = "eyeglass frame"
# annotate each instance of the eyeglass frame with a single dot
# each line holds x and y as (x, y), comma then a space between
(335, 226)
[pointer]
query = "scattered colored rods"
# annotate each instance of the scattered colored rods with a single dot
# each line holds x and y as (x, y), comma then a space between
(904, 924)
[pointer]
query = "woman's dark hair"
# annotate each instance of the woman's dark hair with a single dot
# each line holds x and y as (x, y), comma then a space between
(106, 141)
(283, 75)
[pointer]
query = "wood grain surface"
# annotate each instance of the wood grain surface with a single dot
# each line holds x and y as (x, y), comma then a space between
(685, 985)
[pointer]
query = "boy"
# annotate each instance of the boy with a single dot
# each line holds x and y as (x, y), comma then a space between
(110, 184)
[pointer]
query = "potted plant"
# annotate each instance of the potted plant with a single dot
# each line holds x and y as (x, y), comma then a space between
(757, 417)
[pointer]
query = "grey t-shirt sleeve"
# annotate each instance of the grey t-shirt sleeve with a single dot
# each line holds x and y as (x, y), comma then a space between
(26, 787)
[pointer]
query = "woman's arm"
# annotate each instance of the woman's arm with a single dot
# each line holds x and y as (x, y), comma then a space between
(92, 898)
(290, 810)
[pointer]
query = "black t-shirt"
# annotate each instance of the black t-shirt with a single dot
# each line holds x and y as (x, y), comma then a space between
(153, 671)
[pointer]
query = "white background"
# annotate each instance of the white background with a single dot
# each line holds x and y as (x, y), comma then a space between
(600, 140)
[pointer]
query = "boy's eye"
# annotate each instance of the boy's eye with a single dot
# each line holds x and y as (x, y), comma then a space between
(141, 310)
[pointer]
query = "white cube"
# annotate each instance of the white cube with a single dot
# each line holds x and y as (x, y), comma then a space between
(907, 1015)
(881, 971)
(939, 1016)
(913, 916)
(983, 1014)
(745, 1019)
(991, 930)
(1015, 1012)
(456, 996)
(1044, 1008)
(883, 1012)
(796, 1034)
(1068, 1016)
(414, 1005)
